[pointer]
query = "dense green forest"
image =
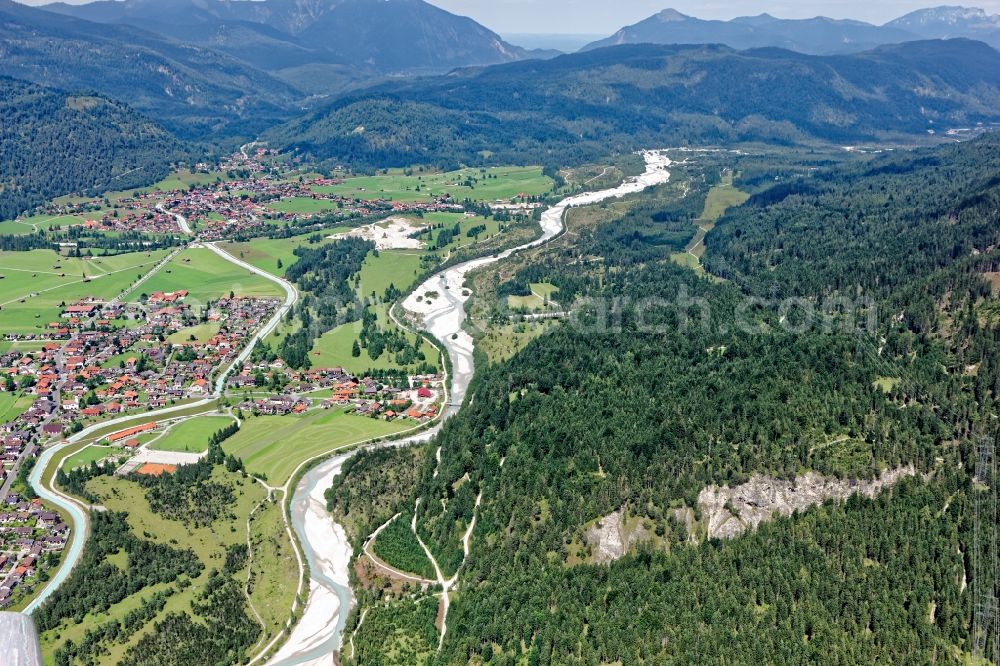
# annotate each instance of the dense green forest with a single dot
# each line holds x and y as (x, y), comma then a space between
(586, 105)
(54, 143)
(378, 479)
(96, 584)
(669, 383)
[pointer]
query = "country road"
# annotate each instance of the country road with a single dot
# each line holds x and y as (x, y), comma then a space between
(48, 492)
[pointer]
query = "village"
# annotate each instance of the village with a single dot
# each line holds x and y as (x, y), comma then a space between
(31, 541)
(253, 202)
(109, 358)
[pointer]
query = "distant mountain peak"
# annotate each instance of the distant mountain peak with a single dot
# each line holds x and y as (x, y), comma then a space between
(949, 21)
(819, 35)
(668, 15)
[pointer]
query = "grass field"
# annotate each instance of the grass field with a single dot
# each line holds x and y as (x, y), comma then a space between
(13, 405)
(207, 276)
(508, 183)
(23, 346)
(180, 180)
(191, 435)
(275, 445)
(499, 343)
(719, 199)
(333, 350)
(398, 267)
(302, 205)
(32, 287)
(28, 225)
(273, 572)
(201, 333)
(264, 253)
(465, 223)
(88, 455)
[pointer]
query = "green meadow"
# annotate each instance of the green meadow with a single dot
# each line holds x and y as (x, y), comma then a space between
(206, 276)
(333, 350)
(275, 445)
(35, 283)
(191, 435)
(208, 542)
(13, 405)
(398, 267)
(90, 454)
(488, 185)
(302, 205)
(264, 253)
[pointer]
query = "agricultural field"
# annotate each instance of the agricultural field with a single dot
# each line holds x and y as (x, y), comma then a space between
(201, 334)
(273, 446)
(192, 435)
(31, 224)
(13, 405)
(207, 276)
(23, 346)
(35, 283)
(397, 267)
(476, 184)
(304, 205)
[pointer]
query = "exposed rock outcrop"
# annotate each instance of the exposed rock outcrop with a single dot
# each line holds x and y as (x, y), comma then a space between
(609, 538)
(730, 512)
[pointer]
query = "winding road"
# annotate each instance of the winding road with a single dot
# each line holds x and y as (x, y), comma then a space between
(317, 638)
(46, 489)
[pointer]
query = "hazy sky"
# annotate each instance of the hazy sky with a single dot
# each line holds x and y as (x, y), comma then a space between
(606, 16)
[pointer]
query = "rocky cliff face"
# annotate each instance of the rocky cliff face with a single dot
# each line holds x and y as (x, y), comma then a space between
(729, 512)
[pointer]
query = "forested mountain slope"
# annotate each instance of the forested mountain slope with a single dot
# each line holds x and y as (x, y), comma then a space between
(874, 227)
(54, 143)
(584, 105)
(638, 407)
(193, 91)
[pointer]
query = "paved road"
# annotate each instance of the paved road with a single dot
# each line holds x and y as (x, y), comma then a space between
(76, 509)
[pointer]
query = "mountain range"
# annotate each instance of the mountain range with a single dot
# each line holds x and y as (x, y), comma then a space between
(817, 36)
(378, 36)
(584, 105)
(194, 91)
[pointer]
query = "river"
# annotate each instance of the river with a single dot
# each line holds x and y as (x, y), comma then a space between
(316, 639)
